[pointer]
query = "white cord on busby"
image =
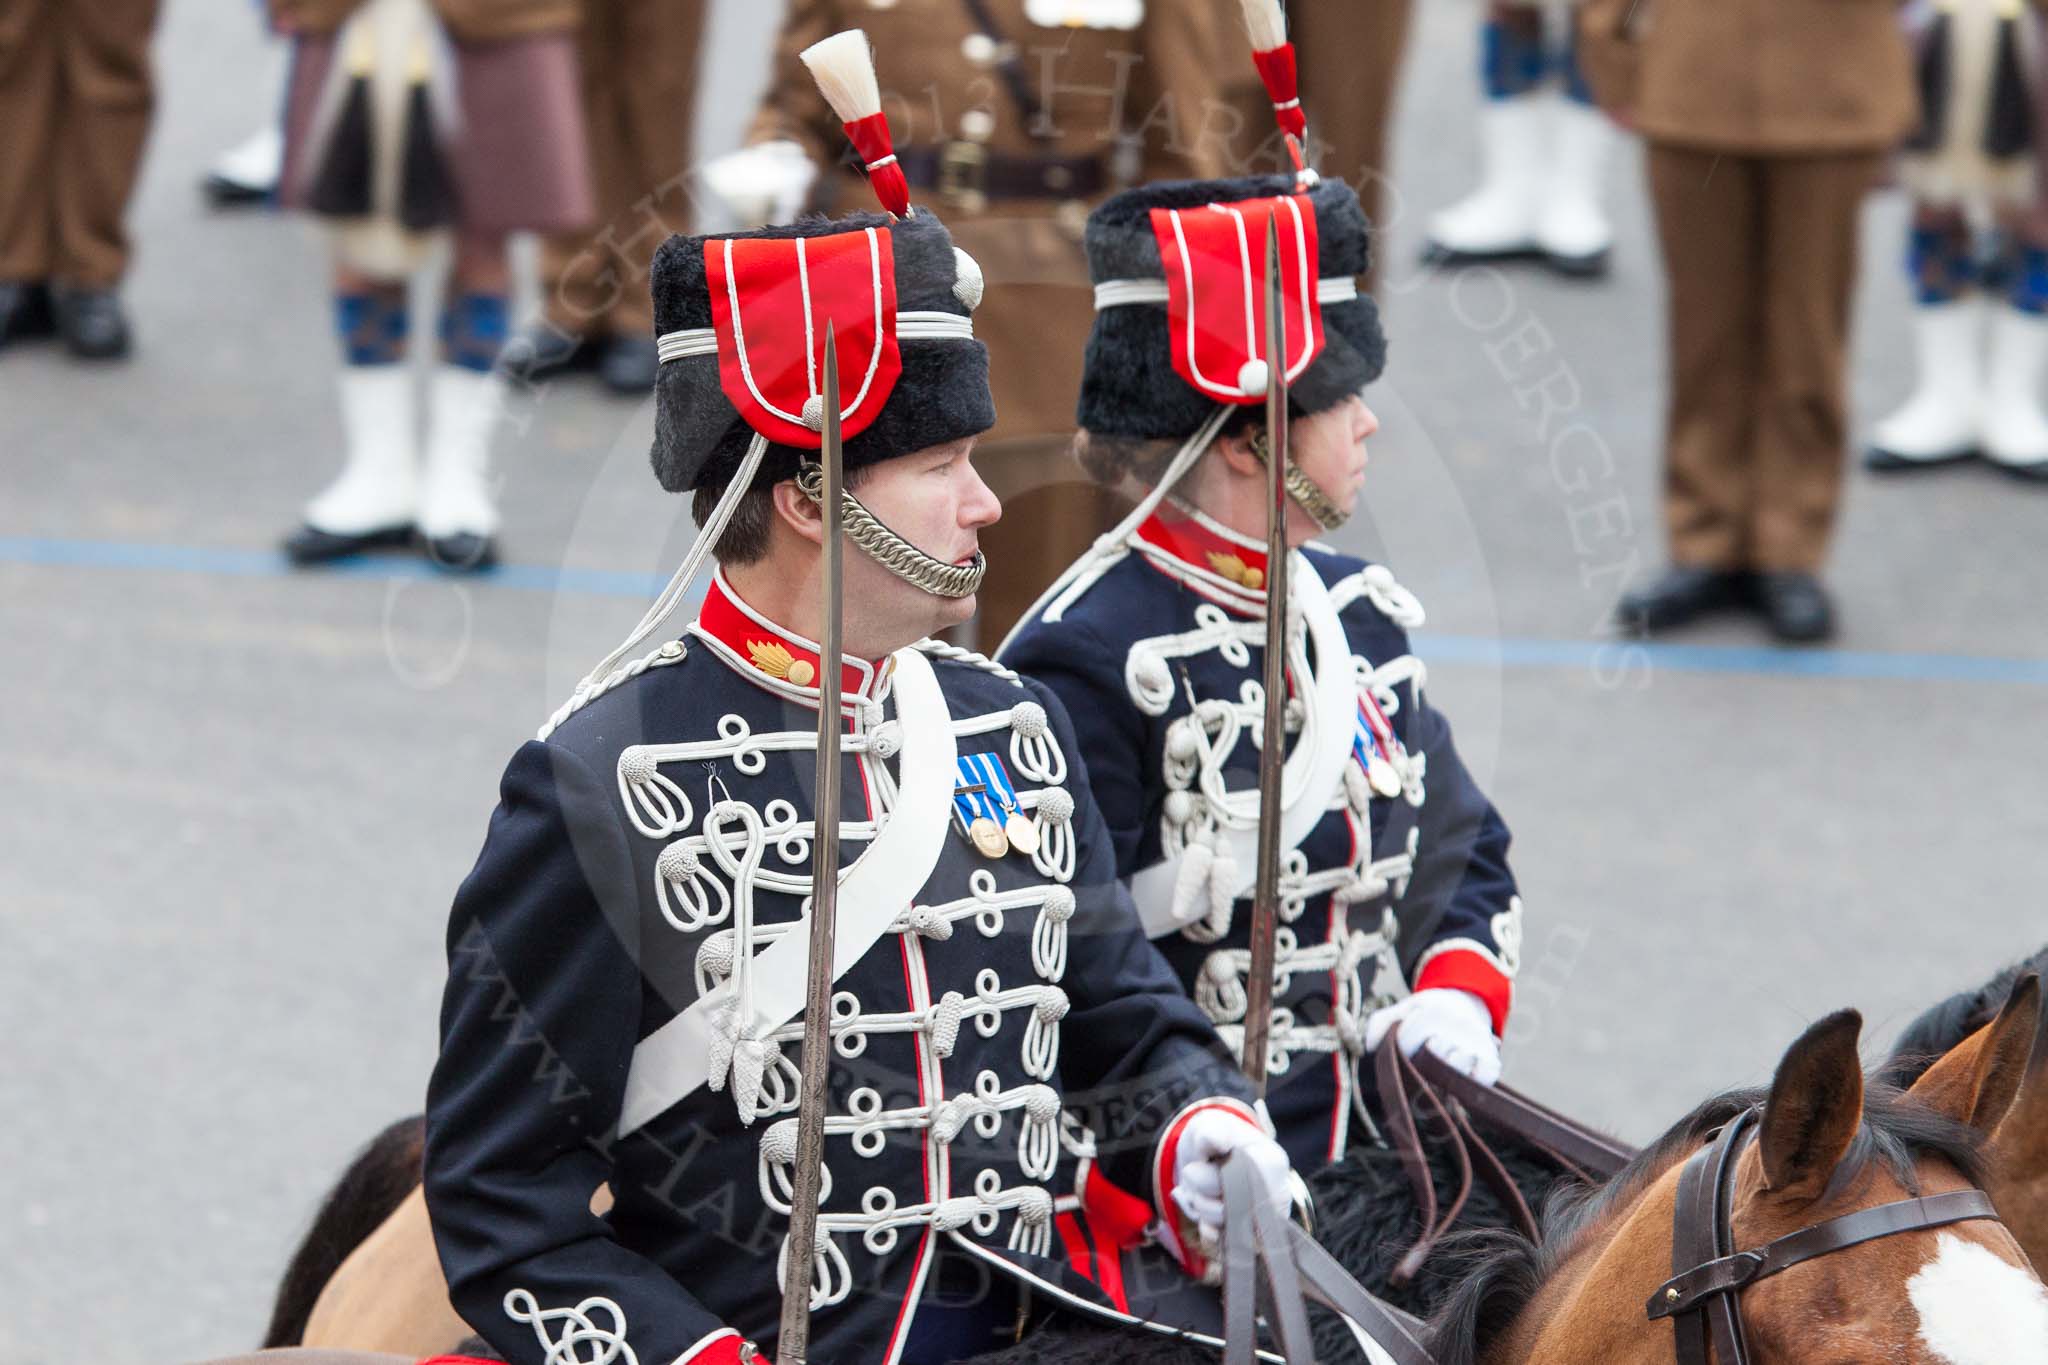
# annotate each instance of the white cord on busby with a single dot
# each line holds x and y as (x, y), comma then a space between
(843, 65)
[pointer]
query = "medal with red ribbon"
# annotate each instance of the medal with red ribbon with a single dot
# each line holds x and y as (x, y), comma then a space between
(1376, 748)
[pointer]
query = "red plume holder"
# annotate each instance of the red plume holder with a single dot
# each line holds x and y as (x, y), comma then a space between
(870, 137)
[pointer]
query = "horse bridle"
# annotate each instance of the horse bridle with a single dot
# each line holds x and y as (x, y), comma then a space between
(1701, 1299)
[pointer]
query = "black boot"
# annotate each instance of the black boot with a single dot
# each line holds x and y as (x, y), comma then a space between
(25, 310)
(1683, 593)
(1797, 607)
(92, 323)
(544, 350)
(310, 545)
(629, 365)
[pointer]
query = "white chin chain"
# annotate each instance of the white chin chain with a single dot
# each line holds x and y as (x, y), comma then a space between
(1306, 492)
(892, 551)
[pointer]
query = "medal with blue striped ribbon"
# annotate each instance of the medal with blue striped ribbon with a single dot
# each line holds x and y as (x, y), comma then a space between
(985, 802)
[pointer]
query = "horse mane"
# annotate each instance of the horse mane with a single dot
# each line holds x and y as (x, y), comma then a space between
(377, 1181)
(1937, 1031)
(1504, 1271)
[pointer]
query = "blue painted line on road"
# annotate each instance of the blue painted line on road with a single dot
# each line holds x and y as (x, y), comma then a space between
(1605, 656)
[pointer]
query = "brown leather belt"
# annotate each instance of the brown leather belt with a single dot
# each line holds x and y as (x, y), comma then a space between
(966, 169)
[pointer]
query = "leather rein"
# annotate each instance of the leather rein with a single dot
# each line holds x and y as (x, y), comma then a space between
(1702, 1296)
(1424, 1086)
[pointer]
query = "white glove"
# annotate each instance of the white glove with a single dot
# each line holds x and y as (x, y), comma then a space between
(1453, 1024)
(765, 183)
(1210, 1138)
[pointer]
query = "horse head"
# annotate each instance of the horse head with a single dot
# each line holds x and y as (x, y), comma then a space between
(1823, 1147)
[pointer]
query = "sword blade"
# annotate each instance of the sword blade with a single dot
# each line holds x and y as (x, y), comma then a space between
(1258, 1014)
(793, 1342)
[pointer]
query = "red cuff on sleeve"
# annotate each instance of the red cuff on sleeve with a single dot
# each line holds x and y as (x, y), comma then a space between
(720, 1348)
(1463, 970)
(1172, 1220)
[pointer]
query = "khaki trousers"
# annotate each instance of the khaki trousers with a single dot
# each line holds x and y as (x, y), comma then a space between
(639, 61)
(1349, 59)
(1760, 256)
(75, 101)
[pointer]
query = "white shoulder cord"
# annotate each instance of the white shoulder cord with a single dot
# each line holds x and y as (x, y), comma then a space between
(608, 673)
(1191, 450)
(940, 649)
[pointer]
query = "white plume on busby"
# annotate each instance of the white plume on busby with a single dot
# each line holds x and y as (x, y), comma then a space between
(843, 65)
(1266, 22)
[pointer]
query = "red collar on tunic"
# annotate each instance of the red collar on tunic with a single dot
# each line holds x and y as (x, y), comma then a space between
(757, 645)
(1233, 564)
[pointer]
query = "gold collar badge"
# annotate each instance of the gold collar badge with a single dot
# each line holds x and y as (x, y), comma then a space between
(1237, 571)
(777, 662)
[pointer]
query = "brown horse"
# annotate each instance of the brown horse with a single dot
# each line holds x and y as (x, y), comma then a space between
(1963, 1294)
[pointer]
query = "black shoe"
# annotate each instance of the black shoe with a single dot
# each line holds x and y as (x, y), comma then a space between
(225, 192)
(629, 365)
(543, 350)
(2033, 472)
(311, 545)
(1878, 460)
(1684, 593)
(1797, 607)
(1594, 265)
(1446, 257)
(25, 311)
(92, 323)
(463, 552)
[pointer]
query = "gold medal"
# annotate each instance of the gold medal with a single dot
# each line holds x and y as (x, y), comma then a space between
(1382, 776)
(1023, 832)
(989, 839)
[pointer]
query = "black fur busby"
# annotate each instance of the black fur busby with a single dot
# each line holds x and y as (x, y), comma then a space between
(942, 395)
(1129, 388)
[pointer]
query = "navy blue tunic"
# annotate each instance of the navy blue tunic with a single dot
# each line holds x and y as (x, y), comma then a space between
(1158, 654)
(628, 854)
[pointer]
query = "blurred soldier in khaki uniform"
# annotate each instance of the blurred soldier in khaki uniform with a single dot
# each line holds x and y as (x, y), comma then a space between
(1022, 115)
(75, 101)
(1767, 121)
(639, 64)
(1349, 56)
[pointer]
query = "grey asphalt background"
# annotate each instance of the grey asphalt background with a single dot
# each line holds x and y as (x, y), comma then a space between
(235, 801)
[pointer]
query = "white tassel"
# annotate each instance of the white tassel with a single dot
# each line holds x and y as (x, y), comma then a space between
(1191, 887)
(1222, 894)
(843, 65)
(1266, 24)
